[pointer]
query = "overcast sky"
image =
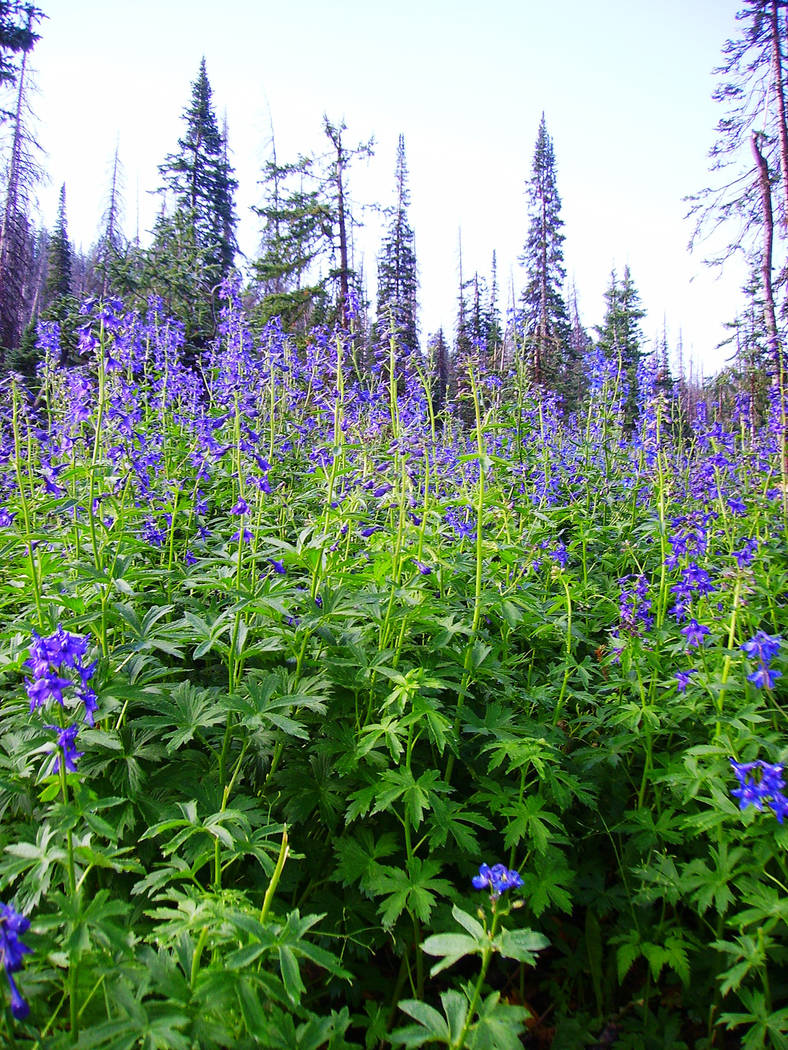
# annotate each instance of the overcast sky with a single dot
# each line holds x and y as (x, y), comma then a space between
(625, 86)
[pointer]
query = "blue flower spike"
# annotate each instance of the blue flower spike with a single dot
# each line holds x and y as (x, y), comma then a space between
(12, 927)
(761, 782)
(498, 879)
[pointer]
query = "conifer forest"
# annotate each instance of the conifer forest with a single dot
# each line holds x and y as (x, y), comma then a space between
(367, 687)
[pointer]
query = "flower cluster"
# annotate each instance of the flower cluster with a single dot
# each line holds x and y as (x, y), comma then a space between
(497, 879)
(12, 926)
(61, 674)
(761, 782)
(763, 648)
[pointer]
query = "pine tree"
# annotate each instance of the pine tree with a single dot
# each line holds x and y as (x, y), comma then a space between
(194, 247)
(580, 343)
(439, 370)
(397, 279)
(17, 36)
(544, 315)
(110, 250)
(16, 237)
(620, 335)
(201, 179)
(305, 271)
(297, 234)
(60, 304)
(336, 195)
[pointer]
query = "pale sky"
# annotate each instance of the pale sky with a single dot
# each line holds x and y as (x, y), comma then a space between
(625, 86)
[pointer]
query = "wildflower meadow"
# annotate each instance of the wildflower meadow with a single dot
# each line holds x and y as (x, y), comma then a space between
(330, 718)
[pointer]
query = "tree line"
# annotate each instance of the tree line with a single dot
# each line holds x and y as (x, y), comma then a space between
(305, 273)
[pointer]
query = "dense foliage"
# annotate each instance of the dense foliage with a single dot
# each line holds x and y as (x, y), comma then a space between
(330, 722)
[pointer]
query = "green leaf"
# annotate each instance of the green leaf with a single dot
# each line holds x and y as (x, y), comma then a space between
(451, 947)
(428, 1017)
(521, 945)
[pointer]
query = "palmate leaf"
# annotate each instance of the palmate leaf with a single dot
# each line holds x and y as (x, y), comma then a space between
(160, 1029)
(38, 862)
(183, 712)
(417, 795)
(359, 855)
(451, 819)
(414, 890)
(531, 820)
(549, 885)
(498, 1027)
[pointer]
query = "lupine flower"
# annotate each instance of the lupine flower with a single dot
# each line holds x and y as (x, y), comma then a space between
(497, 879)
(12, 927)
(761, 782)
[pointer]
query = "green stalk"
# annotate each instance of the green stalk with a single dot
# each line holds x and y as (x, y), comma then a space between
(477, 595)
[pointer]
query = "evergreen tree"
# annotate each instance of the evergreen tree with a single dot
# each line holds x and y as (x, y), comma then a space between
(297, 233)
(201, 179)
(194, 247)
(397, 279)
(60, 304)
(58, 283)
(580, 343)
(17, 37)
(336, 195)
(493, 332)
(305, 272)
(16, 235)
(111, 248)
(621, 337)
(439, 370)
(544, 315)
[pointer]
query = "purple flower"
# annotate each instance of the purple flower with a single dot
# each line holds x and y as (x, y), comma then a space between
(497, 879)
(694, 633)
(12, 927)
(49, 687)
(683, 678)
(423, 568)
(762, 646)
(6, 518)
(241, 507)
(760, 782)
(277, 566)
(764, 677)
(66, 741)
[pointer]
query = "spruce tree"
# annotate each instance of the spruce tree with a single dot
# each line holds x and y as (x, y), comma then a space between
(545, 325)
(297, 233)
(16, 235)
(439, 368)
(17, 37)
(194, 247)
(620, 335)
(111, 248)
(397, 279)
(60, 304)
(201, 179)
